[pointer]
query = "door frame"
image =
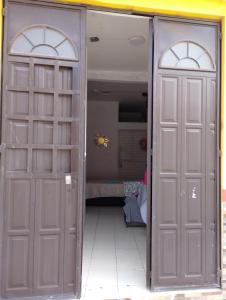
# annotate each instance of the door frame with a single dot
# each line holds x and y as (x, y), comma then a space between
(82, 155)
(218, 133)
(149, 154)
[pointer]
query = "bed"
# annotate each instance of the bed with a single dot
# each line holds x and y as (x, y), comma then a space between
(104, 188)
(134, 194)
(135, 208)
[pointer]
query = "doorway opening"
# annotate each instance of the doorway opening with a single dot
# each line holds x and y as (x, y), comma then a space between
(114, 248)
(43, 138)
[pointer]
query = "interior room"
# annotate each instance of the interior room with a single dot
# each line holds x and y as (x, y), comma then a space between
(114, 248)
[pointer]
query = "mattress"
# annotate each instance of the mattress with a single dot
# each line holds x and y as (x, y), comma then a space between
(111, 188)
(100, 188)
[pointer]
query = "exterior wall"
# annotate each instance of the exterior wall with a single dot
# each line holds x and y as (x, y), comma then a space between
(208, 9)
(212, 9)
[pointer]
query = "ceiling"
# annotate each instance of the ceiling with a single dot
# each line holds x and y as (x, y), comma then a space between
(117, 69)
(113, 57)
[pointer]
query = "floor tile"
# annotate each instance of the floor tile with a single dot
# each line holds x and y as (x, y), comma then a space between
(125, 241)
(133, 292)
(132, 277)
(128, 259)
(103, 264)
(108, 255)
(102, 273)
(103, 293)
(112, 255)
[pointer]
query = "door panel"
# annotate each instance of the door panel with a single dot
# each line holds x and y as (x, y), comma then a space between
(184, 205)
(211, 179)
(166, 185)
(193, 201)
(70, 259)
(169, 99)
(18, 242)
(43, 138)
(18, 263)
(18, 193)
(49, 235)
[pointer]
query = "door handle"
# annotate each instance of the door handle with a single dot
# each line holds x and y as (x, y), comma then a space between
(68, 179)
(194, 196)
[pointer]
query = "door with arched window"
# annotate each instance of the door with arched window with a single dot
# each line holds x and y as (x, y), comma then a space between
(185, 182)
(43, 148)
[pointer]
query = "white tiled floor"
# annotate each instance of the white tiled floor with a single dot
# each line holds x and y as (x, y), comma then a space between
(113, 257)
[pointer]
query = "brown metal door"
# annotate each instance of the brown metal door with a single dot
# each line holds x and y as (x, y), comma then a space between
(43, 142)
(185, 165)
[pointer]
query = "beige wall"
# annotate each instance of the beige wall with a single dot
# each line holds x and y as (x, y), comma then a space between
(102, 118)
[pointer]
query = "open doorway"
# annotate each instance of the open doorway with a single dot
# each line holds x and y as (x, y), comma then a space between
(43, 142)
(114, 248)
(182, 216)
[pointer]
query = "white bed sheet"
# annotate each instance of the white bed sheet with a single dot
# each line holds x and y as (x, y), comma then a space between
(97, 189)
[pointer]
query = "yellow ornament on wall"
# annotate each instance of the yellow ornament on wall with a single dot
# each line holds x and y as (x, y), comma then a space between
(101, 140)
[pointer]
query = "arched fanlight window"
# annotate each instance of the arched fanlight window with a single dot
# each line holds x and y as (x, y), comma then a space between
(44, 41)
(187, 55)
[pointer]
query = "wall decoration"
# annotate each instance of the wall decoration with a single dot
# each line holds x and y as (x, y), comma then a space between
(101, 140)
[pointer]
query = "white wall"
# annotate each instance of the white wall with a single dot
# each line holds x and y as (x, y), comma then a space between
(102, 118)
(123, 159)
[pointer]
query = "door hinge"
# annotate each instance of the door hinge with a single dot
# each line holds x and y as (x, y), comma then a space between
(219, 35)
(150, 274)
(219, 273)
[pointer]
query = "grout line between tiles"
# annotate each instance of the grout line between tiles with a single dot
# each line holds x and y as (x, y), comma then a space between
(116, 259)
(91, 256)
(138, 250)
(116, 215)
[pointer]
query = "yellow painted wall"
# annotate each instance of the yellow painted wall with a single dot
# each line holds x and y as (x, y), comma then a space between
(207, 8)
